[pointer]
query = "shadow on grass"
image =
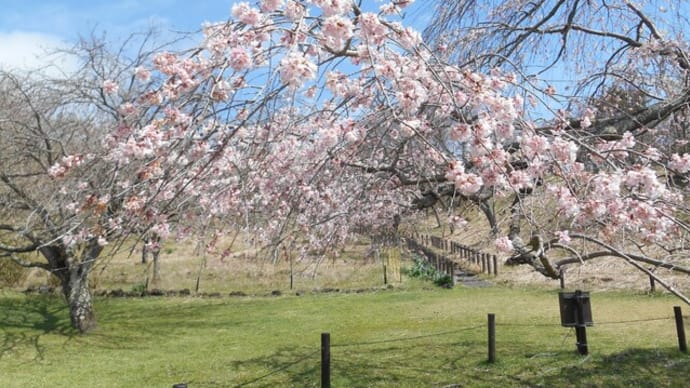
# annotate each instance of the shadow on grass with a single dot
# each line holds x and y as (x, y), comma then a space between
(629, 368)
(24, 320)
(400, 365)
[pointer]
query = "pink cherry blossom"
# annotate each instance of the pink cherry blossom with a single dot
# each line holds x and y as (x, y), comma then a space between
(142, 74)
(271, 5)
(295, 10)
(333, 7)
(504, 244)
(337, 29)
(239, 59)
(563, 237)
(680, 163)
(110, 87)
(295, 69)
(372, 30)
(246, 14)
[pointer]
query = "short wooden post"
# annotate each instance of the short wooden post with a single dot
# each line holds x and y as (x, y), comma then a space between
(325, 360)
(495, 265)
(452, 273)
(682, 344)
(483, 259)
(580, 327)
(292, 272)
(385, 275)
(492, 338)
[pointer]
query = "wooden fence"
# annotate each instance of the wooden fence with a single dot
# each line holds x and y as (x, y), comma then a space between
(448, 256)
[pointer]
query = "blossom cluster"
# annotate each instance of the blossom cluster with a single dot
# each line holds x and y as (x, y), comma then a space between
(317, 126)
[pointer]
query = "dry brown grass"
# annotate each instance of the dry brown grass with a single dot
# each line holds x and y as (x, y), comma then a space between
(247, 269)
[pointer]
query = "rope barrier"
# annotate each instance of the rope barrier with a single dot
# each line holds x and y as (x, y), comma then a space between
(634, 321)
(407, 338)
(284, 367)
(528, 324)
(596, 322)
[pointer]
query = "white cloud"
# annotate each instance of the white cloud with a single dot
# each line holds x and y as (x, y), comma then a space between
(31, 51)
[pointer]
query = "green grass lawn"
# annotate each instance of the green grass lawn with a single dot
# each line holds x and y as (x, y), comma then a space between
(405, 337)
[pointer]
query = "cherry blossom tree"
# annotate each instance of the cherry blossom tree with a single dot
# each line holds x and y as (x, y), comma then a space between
(49, 128)
(603, 135)
(303, 122)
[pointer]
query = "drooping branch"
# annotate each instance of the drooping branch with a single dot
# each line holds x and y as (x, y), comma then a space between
(635, 264)
(643, 259)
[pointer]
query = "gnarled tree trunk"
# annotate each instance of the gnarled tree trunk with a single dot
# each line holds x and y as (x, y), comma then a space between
(72, 267)
(75, 287)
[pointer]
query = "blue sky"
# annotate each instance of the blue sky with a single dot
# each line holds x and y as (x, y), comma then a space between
(29, 27)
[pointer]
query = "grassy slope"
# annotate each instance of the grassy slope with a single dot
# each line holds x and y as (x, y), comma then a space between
(156, 342)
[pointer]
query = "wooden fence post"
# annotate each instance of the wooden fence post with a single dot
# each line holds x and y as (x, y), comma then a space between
(682, 345)
(452, 273)
(385, 275)
(580, 326)
(325, 360)
(492, 338)
(495, 265)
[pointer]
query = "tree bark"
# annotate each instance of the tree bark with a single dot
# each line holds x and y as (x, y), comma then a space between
(156, 267)
(72, 268)
(78, 295)
(144, 251)
(153, 247)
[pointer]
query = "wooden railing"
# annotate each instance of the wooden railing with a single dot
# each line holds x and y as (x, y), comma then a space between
(447, 255)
